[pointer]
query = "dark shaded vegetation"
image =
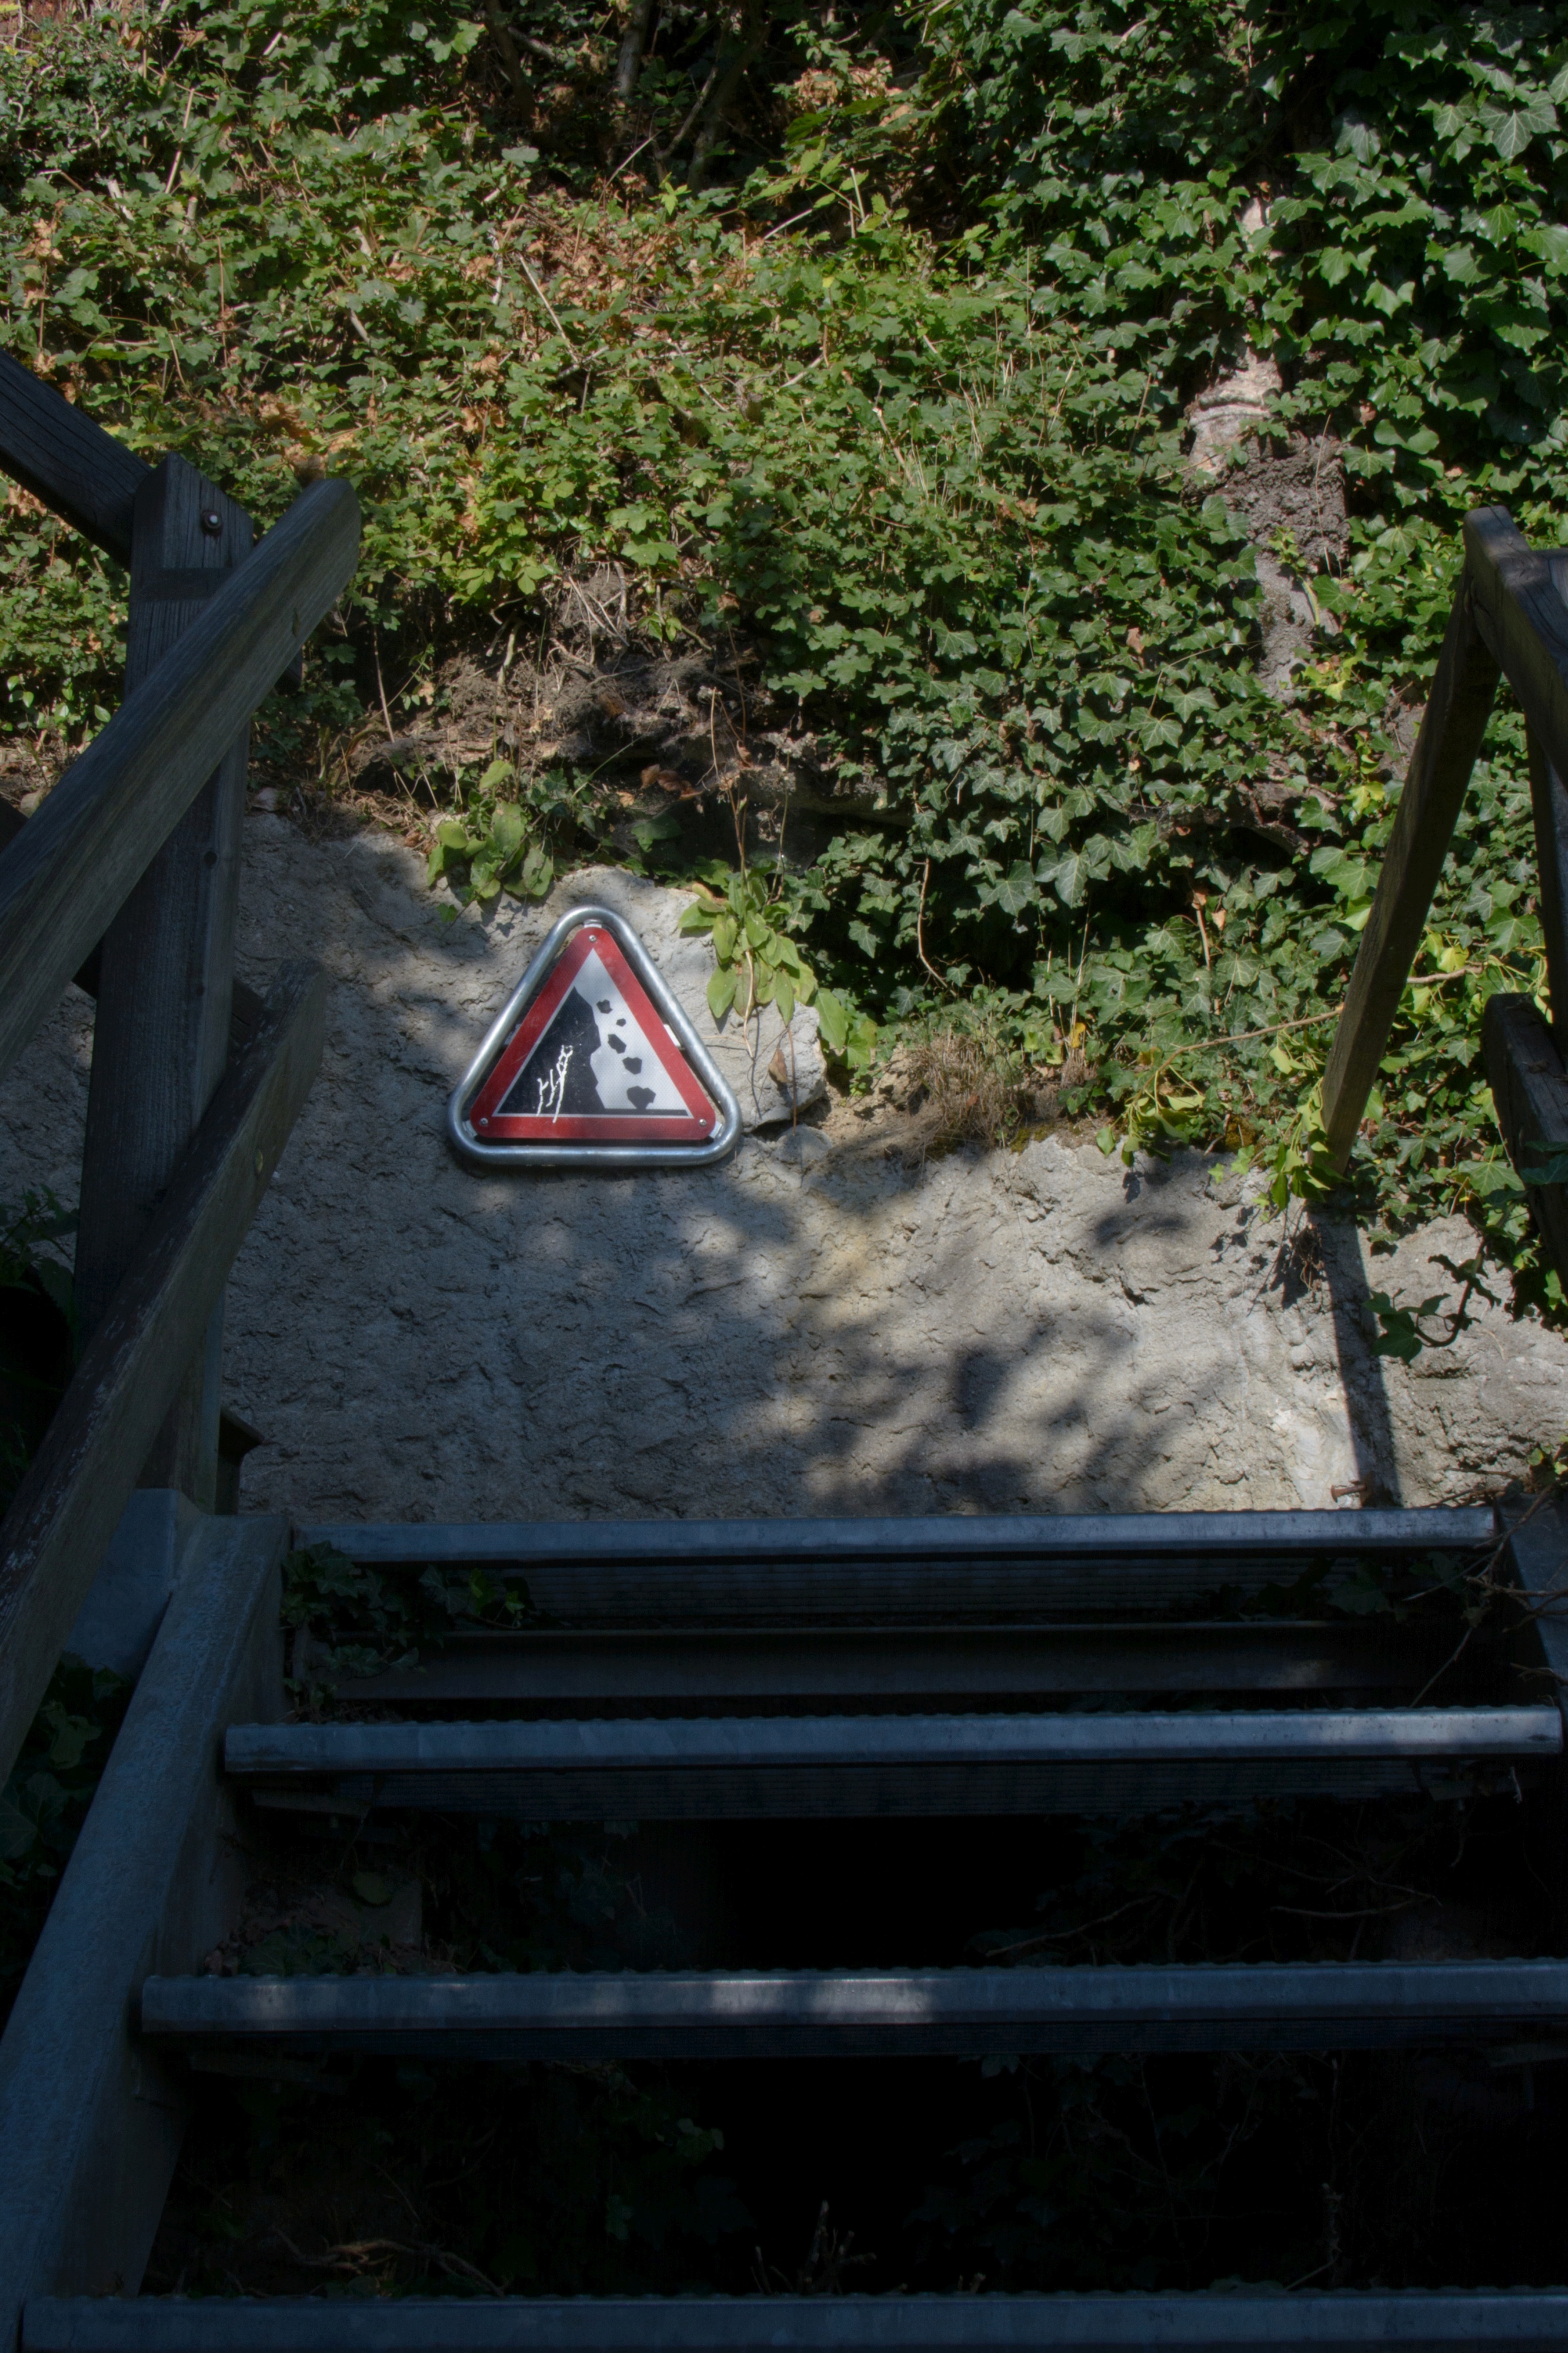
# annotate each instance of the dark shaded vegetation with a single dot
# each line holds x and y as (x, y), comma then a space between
(1355, 2169)
(1117, 2171)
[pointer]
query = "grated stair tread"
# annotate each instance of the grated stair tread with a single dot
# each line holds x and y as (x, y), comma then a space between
(907, 2012)
(1420, 2321)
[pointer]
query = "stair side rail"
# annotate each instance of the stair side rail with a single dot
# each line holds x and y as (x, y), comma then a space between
(74, 1490)
(126, 879)
(1509, 620)
(66, 875)
(57, 452)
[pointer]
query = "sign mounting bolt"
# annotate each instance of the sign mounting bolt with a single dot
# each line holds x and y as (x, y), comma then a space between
(212, 524)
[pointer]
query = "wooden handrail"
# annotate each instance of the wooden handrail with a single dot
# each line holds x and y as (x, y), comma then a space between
(1523, 621)
(1456, 719)
(1508, 618)
(247, 1006)
(79, 1483)
(56, 451)
(65, 876)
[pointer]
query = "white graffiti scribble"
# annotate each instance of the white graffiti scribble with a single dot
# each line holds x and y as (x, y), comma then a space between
(553, 1087)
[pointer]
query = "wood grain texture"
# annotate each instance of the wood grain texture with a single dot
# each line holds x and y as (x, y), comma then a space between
(1456, 718)
(161, 1038)
(246, 1003)
(91, 2121)
(58, 453)
(64, 879)
(1530, 1091)
(1524, 621)
(1549, 797)
(166, 970)
(70, 1500)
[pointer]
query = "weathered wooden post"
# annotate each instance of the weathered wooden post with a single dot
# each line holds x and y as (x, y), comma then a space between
(166, 978)
(1458, 709)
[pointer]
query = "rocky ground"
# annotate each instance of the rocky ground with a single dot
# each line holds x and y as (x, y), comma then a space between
(831, 1322)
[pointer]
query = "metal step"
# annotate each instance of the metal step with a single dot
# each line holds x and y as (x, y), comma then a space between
(1527, 2320)
(740, 1768)
(747, 1571)
(751, 1670)
(904, 2013)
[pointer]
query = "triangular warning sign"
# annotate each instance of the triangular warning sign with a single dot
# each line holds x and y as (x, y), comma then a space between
(593, 1060)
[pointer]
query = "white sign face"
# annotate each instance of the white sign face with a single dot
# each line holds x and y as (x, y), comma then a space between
(595, 1031)
(583, 1057)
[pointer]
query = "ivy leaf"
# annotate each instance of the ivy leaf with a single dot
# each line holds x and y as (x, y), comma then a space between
(721, 987)
(1545, 1167)
(1070, 876)
(1511, 129)
(1357, 137)
(1550, 245)
(72, 1735)
(1016, 892)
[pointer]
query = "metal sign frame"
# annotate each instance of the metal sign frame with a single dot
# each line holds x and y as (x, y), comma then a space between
(671, 1012)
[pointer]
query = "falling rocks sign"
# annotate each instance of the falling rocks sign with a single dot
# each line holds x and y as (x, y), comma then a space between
(592, 1063)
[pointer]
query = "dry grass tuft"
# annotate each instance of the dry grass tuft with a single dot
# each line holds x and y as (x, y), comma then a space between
(967, 1088)
(964, 1086)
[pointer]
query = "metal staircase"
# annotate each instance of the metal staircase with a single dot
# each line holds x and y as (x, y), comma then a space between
(663, 1623)
(928, 1671)
(1242, 2322)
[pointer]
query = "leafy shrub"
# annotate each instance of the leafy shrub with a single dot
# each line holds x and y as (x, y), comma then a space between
(904, 402)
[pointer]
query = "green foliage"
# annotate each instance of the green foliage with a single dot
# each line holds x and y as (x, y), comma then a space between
(364, 1620)
(39, 1219)
(755, 963)
(1123, 2172)
(906, 408)
(1399, 1332)
(511, 845)
(1408, 258)
(1399, 1328)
